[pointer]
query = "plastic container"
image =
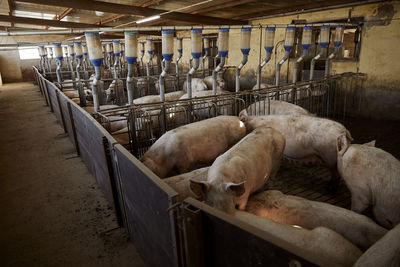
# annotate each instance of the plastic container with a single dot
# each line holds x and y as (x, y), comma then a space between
(324, 36)
(109, 48)
(339, 33)
(223, 42)
(84, 49)
(196, 39)
(71, 52)
(94, 48)
(307, 36)
(131, 46)
(149, 46)
(142, 48)
(50, 51)
(58, 51)
(116, 47)
(269, 39)
(78, 49)
(289, 37)
(167, 44)
(206, 43)
(179, 45)
(245, 35)
(41, 50)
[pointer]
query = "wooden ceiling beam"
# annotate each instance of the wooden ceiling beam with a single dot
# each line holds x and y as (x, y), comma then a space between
(221, 6)
(45, 22)
(135, 10)
(65, 13)
(10, 9)
(294, 8)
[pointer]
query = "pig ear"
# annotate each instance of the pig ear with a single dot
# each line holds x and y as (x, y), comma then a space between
(198, 188)
(236, 189)
(243, 115)
(342, 144)
(371, 143)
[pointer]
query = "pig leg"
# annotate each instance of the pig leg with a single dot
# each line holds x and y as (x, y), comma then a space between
(242, 202)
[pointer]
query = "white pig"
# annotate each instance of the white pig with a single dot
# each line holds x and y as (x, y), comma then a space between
(197, 85)
(308, 139)
(263, 86)
(292, 210)
(384, 253)
(115, 123)
(373, 178)
(194, 144)
(327, 247)
(242, 170)
(181, 183)
(276, 107)
(221, 85)
(156, 98)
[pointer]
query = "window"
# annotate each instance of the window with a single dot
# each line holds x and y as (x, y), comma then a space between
(28, 53)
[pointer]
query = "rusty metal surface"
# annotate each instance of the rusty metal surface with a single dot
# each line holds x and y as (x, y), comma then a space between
(147, 199)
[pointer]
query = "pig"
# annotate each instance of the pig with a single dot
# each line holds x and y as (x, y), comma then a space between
(142, 86)
(197, 85)
(384, 253)
(276, 107)
(121, 136)
(169, 85)
(373, 178)
(115, 123)
(71, 94)
(263, 86)
(90, 109)
(292, 210)
(327, 247)
(221, 85)
(185, 147)
(156, 98)
(308, 139)
(181, 183)
(110, 92)
(321, 245)
(242, 170)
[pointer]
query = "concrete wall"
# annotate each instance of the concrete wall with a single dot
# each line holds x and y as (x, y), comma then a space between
(379, 58)
(13, 69)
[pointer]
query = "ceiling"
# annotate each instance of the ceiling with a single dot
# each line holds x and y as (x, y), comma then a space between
(51, 14)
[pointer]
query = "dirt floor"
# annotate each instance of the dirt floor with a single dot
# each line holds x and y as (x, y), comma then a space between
(51, 211)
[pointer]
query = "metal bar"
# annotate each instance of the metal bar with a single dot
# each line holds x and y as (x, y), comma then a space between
(45, 22)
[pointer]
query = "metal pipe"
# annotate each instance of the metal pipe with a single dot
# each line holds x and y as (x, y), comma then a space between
(159, 28)
(189, 77)
(313, 61)
(296, 65)
(58, 73)
(328, 59)
(129, 83)
(82, 97)
(265, 61)
(203, 59)
(71, 66)
(214, 75)
(95, 88)
(42, 64)
(215, 59)
(279, 65)
(161, 80)
(177, 67)
(148, 64)
(244, 61)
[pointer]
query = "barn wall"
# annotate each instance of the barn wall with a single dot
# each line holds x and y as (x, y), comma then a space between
(13, 69)
(378, 56)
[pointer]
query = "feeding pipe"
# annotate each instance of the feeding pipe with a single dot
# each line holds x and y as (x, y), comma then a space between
(131, 57)
(96, 58)
(339, 33)
(50, 56)
(71, 54)
(268, 46)
(150, 51)
(45, 59)
(206, 46)
(289, 41)
(167, 53)
(79, 55)
(305, 43)
(142, 54)
(324, 41)
(245, 48)
(179, 49)
(84, 51)
(196, 36)
(65, 51)
(223, 49)
(109, 50)
(42, 60)
(59, 56)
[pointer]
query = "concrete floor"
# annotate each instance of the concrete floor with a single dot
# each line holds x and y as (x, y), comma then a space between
(51, 211)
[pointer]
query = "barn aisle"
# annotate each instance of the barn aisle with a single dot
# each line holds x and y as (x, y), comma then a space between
(51, 211)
